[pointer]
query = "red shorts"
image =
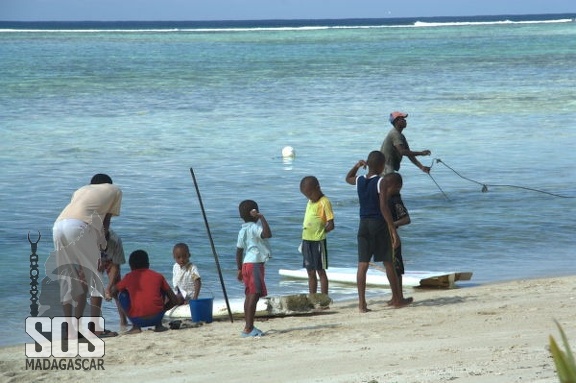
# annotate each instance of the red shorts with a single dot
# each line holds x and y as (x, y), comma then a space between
(253, 278)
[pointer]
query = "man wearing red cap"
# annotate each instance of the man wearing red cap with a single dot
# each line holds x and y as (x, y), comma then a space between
(395, 146)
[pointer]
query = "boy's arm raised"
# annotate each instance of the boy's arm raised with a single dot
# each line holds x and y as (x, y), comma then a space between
(351, 176)
(266, 232)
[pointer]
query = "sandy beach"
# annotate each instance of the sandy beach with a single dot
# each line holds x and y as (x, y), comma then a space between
(490, 333)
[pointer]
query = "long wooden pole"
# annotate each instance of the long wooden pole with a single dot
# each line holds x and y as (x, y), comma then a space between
(212, 245)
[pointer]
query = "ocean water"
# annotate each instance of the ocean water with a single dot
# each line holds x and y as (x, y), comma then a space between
(493, 98)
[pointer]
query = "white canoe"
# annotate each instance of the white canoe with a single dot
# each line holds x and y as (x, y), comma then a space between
(287, 305)
(219, 309)
(376, 277)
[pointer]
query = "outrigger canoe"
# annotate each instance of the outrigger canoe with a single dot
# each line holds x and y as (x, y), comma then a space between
(377, 277)
(270, 306)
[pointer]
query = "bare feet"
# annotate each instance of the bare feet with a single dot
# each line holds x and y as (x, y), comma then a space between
(134, 330)
(106, 334)
(160, 328)
(403, 302)
(363, 309)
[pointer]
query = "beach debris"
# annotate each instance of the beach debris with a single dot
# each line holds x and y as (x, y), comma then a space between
(297, 304)
(183, 323)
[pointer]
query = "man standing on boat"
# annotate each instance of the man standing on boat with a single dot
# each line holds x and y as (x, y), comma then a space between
(395, 146)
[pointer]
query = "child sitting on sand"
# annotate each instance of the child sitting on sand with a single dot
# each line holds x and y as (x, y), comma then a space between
(185, 276)
(252, 251)
(377, 234)
(144, 294)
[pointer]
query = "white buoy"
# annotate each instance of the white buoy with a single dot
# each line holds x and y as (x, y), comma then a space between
(288, 152)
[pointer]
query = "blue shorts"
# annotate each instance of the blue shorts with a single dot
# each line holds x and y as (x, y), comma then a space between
(156, 320)
(315, 255)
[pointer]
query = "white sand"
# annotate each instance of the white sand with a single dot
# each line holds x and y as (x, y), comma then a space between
(493, 333)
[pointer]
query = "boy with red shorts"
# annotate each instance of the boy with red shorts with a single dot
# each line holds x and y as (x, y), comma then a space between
(252, 251)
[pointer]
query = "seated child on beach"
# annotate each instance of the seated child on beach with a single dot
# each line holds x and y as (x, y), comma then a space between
(185, 276)
(144, 294)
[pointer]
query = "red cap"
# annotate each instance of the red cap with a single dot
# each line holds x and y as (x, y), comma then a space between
(395, 115)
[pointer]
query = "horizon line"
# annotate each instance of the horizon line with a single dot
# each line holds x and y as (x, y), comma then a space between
(284, 19)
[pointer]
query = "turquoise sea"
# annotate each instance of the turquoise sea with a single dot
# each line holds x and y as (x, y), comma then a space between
(493, 98)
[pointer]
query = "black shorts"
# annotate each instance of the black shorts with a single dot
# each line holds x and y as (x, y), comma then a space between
(315, 255)
(374, 240)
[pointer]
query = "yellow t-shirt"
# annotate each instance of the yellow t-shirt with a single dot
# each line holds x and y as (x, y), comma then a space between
(317, 215)
(91, 203)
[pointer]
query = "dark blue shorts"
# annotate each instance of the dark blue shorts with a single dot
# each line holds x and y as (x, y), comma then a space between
(374, 241)
(315, 255)
(124, 299)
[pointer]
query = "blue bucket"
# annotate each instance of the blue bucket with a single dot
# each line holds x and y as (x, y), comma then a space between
(201, 309)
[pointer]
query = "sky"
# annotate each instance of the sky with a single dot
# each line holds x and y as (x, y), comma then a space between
(128, 10)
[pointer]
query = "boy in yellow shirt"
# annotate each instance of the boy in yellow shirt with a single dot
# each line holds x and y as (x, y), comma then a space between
(318, 220)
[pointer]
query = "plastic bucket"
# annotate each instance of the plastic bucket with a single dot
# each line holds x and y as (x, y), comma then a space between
(201, 309)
